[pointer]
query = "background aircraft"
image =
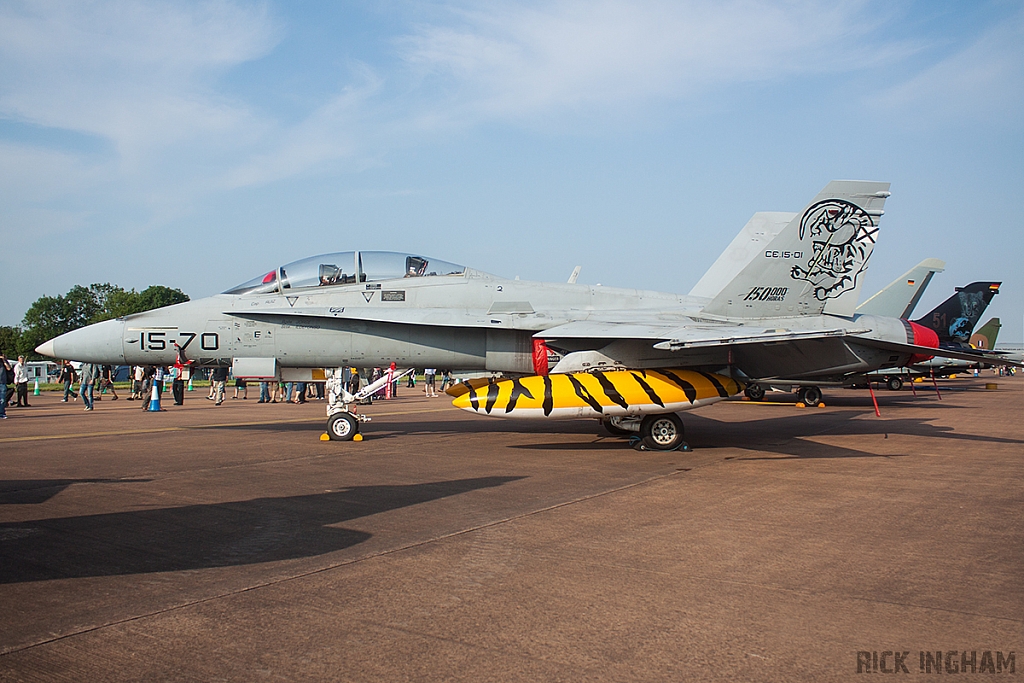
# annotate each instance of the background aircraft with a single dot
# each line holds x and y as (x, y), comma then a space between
(633, 358)
(984, 340)
(952, 321)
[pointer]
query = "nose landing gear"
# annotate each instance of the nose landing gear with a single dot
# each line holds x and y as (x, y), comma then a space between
(342, 422)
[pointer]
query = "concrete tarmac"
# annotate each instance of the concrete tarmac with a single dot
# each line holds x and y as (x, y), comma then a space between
(228, 543)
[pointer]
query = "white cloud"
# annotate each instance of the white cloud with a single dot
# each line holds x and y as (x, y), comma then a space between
(511, 60)
(984, 81)
(144, 77)
(137, 74)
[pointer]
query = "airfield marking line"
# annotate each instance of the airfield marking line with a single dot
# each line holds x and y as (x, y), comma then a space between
(345, 563)
(763, 403)
(185, 428)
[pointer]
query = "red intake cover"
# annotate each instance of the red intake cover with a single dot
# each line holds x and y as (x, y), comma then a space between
(540, 357)
(923, 336)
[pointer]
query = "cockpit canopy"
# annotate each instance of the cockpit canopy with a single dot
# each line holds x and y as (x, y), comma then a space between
(345, 268)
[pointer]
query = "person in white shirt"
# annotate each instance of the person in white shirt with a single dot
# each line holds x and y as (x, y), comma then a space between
(429, 379)
(140, 378)
(21, 382)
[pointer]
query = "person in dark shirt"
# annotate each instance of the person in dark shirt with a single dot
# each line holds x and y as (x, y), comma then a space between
(107, 380)
(68, 377)
(219, 378)
(6, 377)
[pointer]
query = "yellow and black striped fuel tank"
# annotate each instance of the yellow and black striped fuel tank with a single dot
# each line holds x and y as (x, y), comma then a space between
(597, 394)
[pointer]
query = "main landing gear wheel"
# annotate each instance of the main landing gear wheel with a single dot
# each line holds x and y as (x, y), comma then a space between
(662, 432)
(894, 383)
(755, 392)
(342, 427)
(810, 396)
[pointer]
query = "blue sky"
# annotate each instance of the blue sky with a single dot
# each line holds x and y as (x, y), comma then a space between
(197, 144)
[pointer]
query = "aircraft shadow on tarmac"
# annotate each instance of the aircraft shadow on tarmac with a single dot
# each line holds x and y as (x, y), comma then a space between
(786, 436)
(35, 491)
(206, 536)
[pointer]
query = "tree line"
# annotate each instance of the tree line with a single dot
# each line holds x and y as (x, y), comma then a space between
(50, 316)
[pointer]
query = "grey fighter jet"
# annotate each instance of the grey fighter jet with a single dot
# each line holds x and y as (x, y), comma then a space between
(629, 357)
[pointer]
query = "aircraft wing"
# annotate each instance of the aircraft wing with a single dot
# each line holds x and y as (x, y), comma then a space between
(938, 353)
(672, 337)
(705, 337)
(597, 329)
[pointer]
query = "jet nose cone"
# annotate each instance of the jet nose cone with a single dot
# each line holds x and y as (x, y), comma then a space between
(99, 343)
(46, 349)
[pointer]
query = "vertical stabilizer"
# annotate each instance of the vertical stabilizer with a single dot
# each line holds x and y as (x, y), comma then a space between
(754, 237)
(819, 258)
(899, 298)
(985, 337)
(954, 319)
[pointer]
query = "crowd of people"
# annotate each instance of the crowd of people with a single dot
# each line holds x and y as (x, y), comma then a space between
(92, 379)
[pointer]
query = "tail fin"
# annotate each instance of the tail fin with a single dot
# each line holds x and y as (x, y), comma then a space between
(954, 319)
(819, 258)
(755, 236)
(985, 337)
(899, 298)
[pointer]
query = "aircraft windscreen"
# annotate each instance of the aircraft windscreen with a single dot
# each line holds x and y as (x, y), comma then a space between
(391, 265)
(342, 268)
(263, 284)
(320, 271)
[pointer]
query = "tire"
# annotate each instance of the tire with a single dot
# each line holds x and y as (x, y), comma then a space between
(662, 432)
(894, 383)
(755, 392)
(342, 427)
(810, 396)
(613, 430)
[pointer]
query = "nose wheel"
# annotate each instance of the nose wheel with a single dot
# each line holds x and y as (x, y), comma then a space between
(342, 426)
